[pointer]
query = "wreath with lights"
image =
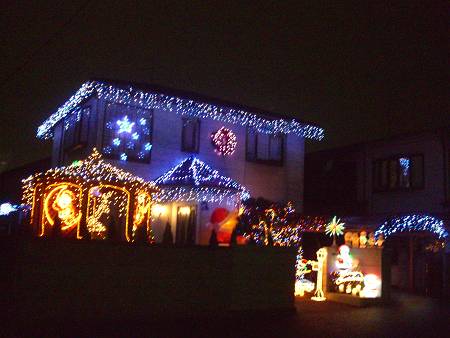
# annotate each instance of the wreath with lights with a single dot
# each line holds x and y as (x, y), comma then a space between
(224, 141)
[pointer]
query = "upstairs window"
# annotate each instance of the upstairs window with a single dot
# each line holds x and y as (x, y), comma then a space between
(127, 133)
(265, 148)
(190, 135)
(399, 173)
(76, 129)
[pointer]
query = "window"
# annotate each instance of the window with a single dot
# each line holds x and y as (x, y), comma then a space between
(190, 136)
(266, 148)
(127, 133)
(75, 135)
(399, 173)
(76, 128)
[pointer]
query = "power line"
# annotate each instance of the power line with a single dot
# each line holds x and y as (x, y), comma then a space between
(46, 43)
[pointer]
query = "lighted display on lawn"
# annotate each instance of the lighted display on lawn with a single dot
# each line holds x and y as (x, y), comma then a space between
(89, 199)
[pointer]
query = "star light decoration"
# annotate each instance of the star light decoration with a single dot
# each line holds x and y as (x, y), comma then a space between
(224, 141)
(155, 99)
(193, 180)
(410, 223)
(125, 125)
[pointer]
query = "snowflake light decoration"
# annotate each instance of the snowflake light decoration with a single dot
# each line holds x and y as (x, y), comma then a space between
(224, 141)
(335, 228)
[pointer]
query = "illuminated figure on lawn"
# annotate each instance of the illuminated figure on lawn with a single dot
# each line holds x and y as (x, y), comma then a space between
(319, 296)
(303, 267)
(345, 278)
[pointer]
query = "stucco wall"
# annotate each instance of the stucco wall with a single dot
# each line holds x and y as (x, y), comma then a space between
(278, 183)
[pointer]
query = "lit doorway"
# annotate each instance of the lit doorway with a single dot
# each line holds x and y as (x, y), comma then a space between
(186, 225)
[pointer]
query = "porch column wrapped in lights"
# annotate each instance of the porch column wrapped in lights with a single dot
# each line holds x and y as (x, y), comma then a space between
(194, 181)
(90, 199)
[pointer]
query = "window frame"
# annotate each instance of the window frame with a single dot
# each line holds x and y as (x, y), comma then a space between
(77, 143)
(377, 165)
(279, 162)
(197, 141)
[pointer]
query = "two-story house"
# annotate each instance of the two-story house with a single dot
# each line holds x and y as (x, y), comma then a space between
(402, 182)
(194, 146)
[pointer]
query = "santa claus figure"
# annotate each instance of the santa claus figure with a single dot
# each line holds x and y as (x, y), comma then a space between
(223, 222)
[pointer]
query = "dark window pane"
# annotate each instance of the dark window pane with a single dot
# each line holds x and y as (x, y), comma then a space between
(384, 174)
(84, 123)
(417, 173)
(190, 135)
(276, 148)
(251, 145)
(262, 147)
(393, 174)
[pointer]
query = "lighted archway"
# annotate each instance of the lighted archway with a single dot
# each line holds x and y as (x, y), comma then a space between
(412, 223)
(100, 200)
(89, 196)
(62, 200)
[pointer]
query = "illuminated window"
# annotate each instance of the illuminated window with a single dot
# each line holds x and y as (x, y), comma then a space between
(398, 173)
(265, 148)
(127, 133)
(190, 135)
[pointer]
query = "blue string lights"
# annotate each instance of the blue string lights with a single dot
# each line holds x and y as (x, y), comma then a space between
(185, 107)
(193, 180)
(410, 223)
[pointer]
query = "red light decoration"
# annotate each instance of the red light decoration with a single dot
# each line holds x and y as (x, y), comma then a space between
(224, 141)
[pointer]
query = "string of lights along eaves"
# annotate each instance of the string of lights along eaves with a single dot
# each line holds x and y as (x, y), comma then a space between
(182, 106)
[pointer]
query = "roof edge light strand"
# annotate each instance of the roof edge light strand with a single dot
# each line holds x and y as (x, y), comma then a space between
(182, 106)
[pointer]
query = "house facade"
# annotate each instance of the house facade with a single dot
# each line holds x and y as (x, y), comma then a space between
(401, 183)
(402, 175)
(149, 130)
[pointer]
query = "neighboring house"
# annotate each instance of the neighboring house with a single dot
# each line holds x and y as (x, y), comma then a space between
(401, 175)
(11, 180)
(150, 130)
(403, 183)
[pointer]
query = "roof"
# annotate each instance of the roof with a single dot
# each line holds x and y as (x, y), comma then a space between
(193, 180)
(183, 103)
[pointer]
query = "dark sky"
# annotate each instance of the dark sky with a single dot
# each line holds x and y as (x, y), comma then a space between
(362, 72)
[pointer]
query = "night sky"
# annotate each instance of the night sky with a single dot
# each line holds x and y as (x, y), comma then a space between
(362, 72)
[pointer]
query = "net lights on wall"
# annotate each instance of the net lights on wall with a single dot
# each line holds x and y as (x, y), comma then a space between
(185, 107)
(416, 222)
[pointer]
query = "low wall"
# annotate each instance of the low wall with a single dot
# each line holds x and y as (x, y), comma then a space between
(76, 280)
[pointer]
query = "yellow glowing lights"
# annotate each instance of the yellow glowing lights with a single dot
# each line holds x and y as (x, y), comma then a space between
(60, 201)
(335, 228)
(59, 193)
(184, 211)
(159, 210)
(319, 296)
(372, 286)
